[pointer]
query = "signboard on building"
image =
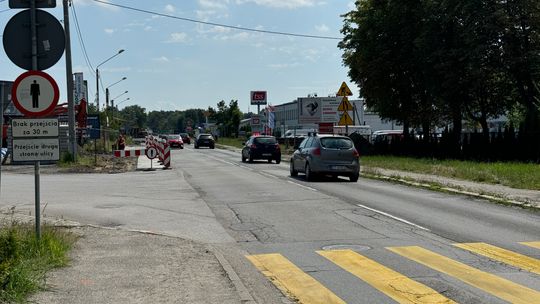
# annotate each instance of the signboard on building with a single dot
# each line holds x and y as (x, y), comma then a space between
(314, 110)
(258, 97)
(79, 87)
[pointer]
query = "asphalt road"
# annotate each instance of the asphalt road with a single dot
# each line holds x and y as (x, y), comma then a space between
(404, 243)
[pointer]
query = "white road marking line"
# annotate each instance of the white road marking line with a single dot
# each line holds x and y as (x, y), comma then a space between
(393, 217)
(306, 187)
(269, 175)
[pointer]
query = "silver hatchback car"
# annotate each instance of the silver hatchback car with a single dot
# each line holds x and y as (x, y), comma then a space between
(326, 154)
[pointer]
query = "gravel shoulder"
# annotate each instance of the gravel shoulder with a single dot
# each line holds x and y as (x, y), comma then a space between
(116, 266)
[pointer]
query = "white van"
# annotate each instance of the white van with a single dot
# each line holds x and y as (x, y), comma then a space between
(298, 133)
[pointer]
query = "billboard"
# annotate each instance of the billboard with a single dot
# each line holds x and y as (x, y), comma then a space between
(79, 88)
(314, 110)
(258, 97)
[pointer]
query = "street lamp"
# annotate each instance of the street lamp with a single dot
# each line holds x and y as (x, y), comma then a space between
(112, 104)
(112, 100)
(107, 91)
(122, 101)
(97, 75)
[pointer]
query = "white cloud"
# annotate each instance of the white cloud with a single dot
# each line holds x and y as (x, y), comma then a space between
(169, 8)
(148, 28)
(177, 38)
(311, 55)
(290, 4)
(279, 66)
(214, 4)
(161, 59)
(92, 2)
(322, 28)
(109, 31)
(242, 36)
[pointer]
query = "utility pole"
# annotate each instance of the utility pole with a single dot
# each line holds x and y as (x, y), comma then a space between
(69, 81)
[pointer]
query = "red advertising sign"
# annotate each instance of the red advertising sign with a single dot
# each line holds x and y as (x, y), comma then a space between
(258, 97)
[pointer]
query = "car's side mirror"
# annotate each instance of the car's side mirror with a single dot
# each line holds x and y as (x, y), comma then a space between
(243, 143)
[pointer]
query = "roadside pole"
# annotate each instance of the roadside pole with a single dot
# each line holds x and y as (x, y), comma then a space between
(37, 163)
(69, 82)
(35, 141)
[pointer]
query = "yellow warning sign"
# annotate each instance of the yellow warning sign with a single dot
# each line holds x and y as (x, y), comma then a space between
(344, 90)
(345, 105)
(345, 119)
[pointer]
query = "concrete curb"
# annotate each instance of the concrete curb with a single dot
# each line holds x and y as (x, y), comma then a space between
(433, 185)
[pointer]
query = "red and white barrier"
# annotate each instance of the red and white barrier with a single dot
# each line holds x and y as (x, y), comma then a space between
(129, 153)
(163, 149)
(166, 156)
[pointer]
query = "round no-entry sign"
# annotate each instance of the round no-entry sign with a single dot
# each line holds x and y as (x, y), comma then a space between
(35, 93)
(151, 152)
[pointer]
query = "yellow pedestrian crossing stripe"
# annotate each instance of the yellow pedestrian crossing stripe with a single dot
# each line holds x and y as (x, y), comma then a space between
(531, 244)
(493, 284)
(506, 256)
(304, 288)
(392, 283)
(292, 280)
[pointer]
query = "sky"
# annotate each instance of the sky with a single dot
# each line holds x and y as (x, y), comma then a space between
(174, 64)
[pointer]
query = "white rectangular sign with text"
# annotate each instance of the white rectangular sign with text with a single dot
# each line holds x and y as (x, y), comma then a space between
(36, 149)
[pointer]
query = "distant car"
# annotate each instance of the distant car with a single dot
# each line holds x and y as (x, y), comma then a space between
(204, 140)
(186, 138)
(261, 147)
(326, 154)
(175, 141)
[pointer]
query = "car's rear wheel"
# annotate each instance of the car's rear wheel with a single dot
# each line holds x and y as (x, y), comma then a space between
(269, 160)
(278, 160)
(309, 173)
(354, 177)
(291, 168)
(243, 158)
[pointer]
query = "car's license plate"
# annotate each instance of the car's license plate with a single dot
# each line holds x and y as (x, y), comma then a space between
(338, 167)
(267, 154)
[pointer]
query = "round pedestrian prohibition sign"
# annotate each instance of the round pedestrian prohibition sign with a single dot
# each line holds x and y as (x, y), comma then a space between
(151, 153)
(35, 93)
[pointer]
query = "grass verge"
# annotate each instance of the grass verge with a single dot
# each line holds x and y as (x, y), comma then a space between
(24, 260)
(511, 174)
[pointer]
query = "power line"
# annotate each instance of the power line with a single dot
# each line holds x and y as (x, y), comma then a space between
(218, 24)
(81, 41)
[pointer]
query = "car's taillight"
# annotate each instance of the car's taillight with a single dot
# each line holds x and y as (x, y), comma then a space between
(317, 152)
(253, 146)
(355, 153)
(277, 147)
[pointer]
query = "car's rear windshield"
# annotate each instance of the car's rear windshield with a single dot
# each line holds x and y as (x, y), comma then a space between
(336, 143)
(174, 136)
(206, 136)
(265, 140)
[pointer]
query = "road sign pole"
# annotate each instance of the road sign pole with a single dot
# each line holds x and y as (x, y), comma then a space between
(37, 163)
